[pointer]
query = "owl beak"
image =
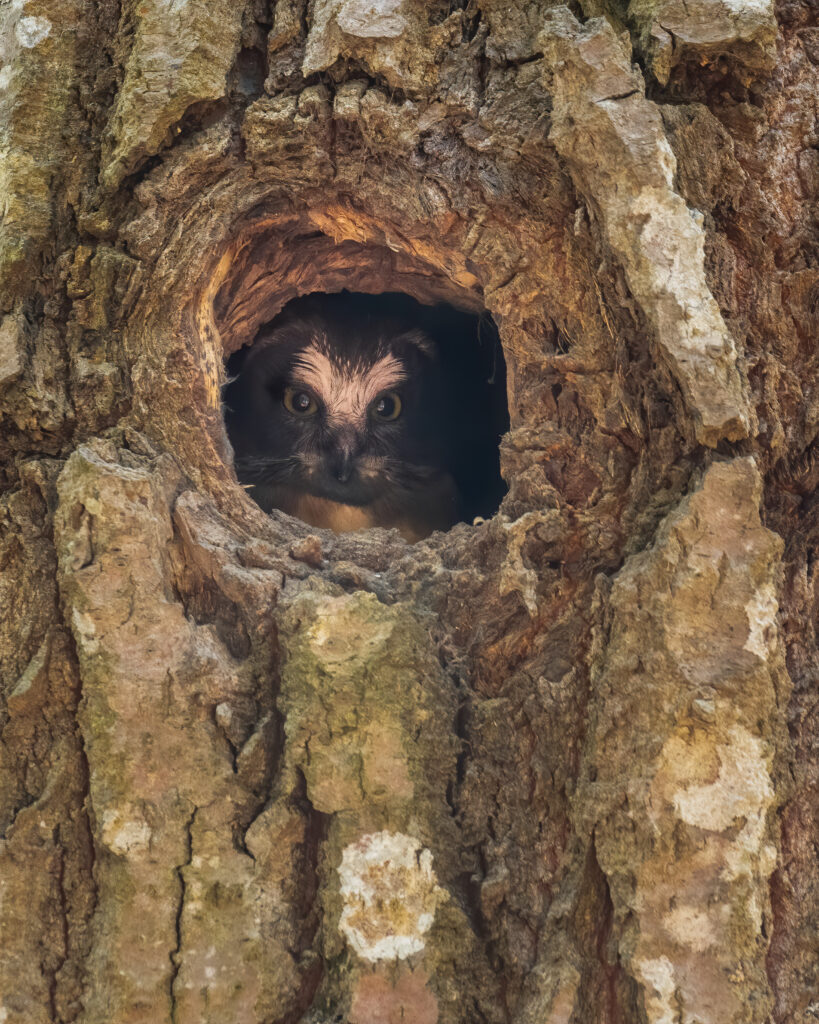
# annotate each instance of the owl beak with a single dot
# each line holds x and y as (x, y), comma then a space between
(343, 464)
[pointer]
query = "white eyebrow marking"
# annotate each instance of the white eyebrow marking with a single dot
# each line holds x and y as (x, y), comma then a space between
(346, 391)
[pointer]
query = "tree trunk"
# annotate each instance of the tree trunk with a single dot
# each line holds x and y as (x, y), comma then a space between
(558, 766)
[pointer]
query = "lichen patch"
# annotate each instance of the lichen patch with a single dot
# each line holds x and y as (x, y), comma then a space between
(390, 895)
(763, 8)
(32, 30)
(742, 790)
(598, 96)
(761, 611)
(372, 18)
(658, 977)
(125, 831)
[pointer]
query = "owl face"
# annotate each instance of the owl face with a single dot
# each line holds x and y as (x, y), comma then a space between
(340, 408)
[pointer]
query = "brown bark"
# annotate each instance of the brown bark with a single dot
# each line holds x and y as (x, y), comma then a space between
(560, 766)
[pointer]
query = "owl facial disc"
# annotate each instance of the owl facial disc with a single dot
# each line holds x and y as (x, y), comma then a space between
(337, 411)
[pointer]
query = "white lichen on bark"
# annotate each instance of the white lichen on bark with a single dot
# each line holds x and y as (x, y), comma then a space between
(600, 105)
(689, 840)
(390, 895)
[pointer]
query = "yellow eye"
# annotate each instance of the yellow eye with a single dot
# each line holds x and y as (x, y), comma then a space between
(299, 402)
(386, 408)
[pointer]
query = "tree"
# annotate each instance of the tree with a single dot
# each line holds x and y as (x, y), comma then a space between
(560, 766)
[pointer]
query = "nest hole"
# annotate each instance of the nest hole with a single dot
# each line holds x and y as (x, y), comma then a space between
(350, 410)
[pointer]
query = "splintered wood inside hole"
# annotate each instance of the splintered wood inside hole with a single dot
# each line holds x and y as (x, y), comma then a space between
(266, 270)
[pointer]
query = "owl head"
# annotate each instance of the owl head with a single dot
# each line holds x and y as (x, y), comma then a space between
(340, 405)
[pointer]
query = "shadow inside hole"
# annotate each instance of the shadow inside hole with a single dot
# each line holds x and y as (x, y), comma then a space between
(472, 385)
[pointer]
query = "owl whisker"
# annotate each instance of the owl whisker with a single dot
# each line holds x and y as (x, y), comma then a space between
(251, 461)
(265, 469)
(408, 475)
(390, 464)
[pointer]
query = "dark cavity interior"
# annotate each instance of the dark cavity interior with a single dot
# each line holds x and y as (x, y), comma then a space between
(303, 445)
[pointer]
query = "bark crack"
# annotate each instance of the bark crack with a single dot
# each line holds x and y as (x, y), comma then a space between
(64, 914)
(175, 954)
(618, 96)
(671, 36)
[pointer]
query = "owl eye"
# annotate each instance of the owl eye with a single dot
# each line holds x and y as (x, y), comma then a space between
(386, 408)
(300, 403)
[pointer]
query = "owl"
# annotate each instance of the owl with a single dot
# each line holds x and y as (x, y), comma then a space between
(340, 416)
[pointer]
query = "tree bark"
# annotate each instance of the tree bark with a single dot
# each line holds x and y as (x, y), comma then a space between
(559, 767)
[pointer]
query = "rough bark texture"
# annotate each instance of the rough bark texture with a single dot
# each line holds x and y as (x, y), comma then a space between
(561, 767)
